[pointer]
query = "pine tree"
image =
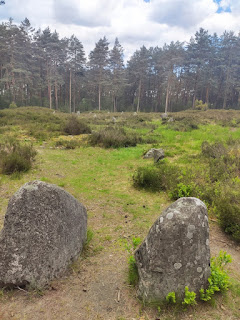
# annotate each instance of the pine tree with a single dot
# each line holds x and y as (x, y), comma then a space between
(116, 65)
(76, 60)
(98, 63)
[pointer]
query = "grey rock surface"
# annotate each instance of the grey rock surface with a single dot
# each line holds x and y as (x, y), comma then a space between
(156, 154)
(44, 230)
(164, 116)
(175, 252)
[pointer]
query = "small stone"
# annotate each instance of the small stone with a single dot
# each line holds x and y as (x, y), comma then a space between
(156, 154)
(177, 266)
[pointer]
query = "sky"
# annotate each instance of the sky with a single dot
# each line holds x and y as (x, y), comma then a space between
(134, 22)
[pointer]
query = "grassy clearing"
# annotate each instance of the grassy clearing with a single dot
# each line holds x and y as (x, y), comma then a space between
(102, 180)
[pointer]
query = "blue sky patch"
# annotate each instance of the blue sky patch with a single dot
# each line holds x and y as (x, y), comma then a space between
(221, 9)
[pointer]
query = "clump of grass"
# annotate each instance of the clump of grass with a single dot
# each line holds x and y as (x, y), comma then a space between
(132, 271)
(74, 127)
(111, 137)
(15, 156)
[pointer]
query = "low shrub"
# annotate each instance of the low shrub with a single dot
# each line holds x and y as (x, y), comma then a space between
(199, 105)
(113, 138)
(67, 144)
(75, 127)
(183, 125)
(12, 105)
(156, 178)
(219, 279)
(181, 190)
(15, 157)
(226, 206)
(215, 150)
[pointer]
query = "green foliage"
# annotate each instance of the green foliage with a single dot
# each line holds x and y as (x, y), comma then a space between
(219, 279)
(75, 127)
(132, 271)
(15, 156)
(199, 105)
(12, 105)
(181, 190)
(136, 241)
(111, 137)
(171, 298)
(156, 178)
(190, 298)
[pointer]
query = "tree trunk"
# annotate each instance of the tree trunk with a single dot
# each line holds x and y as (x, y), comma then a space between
(167, 95)
(74, 94)
(226, 89)
(70, 91)
(49, 86)
(56, 95)
(139, 94)
(114, 103)
(99, 97)
(207, 95)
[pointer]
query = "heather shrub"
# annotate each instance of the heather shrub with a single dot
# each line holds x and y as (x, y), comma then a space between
(15, 156)
(226, 206)
(74, 127)
(110, 137)
(156, 178)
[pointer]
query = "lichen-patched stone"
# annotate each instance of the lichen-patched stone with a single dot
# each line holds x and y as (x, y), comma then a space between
(176, 252)
(44, 230)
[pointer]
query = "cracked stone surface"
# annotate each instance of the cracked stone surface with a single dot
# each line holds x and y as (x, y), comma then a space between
(44, 230)
(175, 252)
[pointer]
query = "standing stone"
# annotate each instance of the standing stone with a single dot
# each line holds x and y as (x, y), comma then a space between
(175, 253)
(44, 230)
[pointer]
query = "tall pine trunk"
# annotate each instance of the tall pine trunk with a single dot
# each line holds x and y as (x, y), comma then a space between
(139, 94)
(70, 91)
(56, 95)
(99, 97)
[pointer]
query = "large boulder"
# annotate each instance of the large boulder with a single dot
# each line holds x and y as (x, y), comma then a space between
(156, 154)
(175, 253)
(44, 230)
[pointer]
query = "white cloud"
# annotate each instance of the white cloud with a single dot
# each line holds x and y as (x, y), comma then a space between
(134, 22)
(182, 13)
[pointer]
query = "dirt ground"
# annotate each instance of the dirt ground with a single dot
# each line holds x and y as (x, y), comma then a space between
(96, 288)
